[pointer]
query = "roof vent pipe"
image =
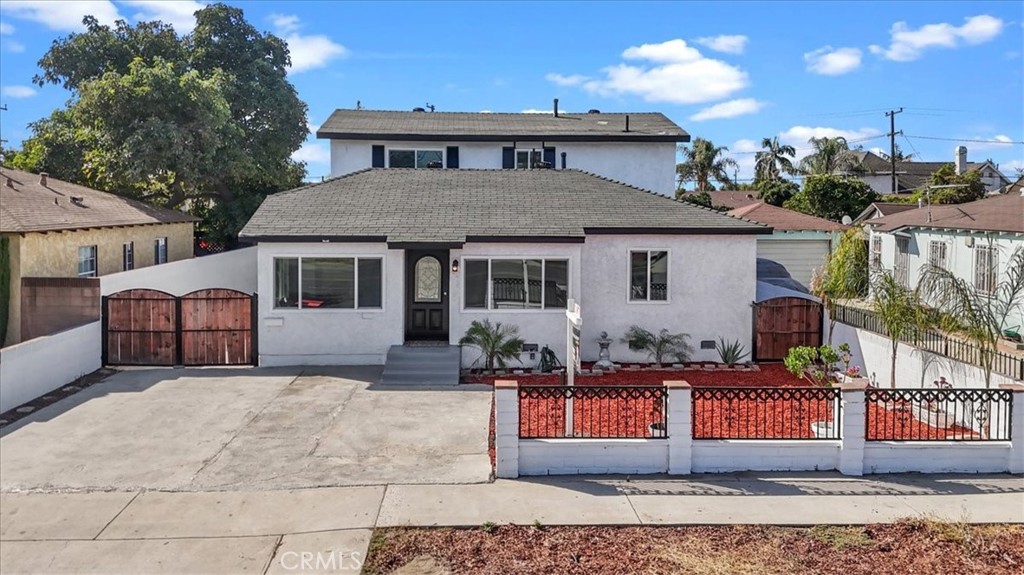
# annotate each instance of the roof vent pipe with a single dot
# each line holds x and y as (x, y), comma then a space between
(920, 202)
(556, 107)
(563, 160)
(627, 123)
(10, 182)
(42, 179)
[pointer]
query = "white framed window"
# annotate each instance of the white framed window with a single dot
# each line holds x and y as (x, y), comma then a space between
(407, 158)
(128, 256)
(87, 261)
(328, 283)
(528, 159)
(515, 283)
(160, 250)
(876, 251)
(937, 251)
(986, 262)
(901, 266)
(648, 275)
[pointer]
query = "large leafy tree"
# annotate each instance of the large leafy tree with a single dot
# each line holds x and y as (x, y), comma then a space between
(832, 197)
(945, 186)
(703, 162)
(830, 156)
(776, 192)
(205, 122)
(773, 160)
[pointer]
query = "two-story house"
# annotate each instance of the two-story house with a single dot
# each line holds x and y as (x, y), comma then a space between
(638, 149)
(876, 172)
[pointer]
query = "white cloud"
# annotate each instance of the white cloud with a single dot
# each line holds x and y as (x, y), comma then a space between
(743, 152)
(486, 112)
(14, 46)
(999, 141)
(676, 73)
(560, 80)
(62, 15)
(6, 29)
(1009, 169)
(177, 13)
(313, 153)
(729, 109)
(307, 52)
(907, 45)
(729, 44)
(797, 136)
(830, 61)
(535, 111)
(19, 92)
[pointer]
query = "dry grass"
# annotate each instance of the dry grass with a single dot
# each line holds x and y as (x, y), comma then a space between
(700, 557)
(839, 538)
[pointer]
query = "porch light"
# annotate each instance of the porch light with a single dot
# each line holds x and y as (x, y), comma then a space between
(455, 266)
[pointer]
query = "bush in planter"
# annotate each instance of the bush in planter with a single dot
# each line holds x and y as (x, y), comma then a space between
(730, 353)
(811, 363)
(660, 346)
(498, 343)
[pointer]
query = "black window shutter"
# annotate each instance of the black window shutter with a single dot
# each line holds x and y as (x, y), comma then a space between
(508, 158)
(549, 156)
(378, 156)
(453, 157)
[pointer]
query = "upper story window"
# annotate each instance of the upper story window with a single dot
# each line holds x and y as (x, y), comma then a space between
(516, 283)
(648, 275)
(985, 268)
(160, 251)
(87, 261)
(328, 283)
(415, 158)
(128, 256)
(528, 159)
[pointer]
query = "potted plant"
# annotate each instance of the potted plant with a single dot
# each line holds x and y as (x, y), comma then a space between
(659, 347)
(730, 353)
(498, 343)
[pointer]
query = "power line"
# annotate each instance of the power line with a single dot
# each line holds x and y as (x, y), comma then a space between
(1013, 142)
(854, 141)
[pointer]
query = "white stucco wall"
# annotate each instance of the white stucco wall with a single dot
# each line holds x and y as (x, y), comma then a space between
(592, 456)
(712, 283)
(650, 166)
(936, 457)
(229, 270)
(722, 456)
(37, 366)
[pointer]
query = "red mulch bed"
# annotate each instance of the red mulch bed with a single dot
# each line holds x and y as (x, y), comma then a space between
(911, 546)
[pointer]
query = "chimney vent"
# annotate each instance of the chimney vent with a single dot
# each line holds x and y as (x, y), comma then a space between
(563, 159)
(10, 182)
(556, 107)
(42, 179)
(627, 122)
(960, 161)
(77, 200)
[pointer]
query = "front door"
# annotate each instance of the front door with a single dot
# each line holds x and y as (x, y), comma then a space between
(426, 294)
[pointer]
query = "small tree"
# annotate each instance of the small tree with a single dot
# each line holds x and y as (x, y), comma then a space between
(844, 275)
(659, 346)
(952, 188)
(832, 197)
(498, 343)
(776, 192)
(899, 312)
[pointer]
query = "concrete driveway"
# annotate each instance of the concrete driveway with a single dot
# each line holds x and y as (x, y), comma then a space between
(248, 429)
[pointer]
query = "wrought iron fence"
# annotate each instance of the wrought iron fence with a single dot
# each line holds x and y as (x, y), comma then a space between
(938, 414)
(935, 342)
(766, 413)
(592, 411)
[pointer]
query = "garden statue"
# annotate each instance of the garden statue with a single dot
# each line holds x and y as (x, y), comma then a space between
(604, 361)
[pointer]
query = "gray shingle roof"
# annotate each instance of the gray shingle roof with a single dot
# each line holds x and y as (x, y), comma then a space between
(452, 126)
(454, 206)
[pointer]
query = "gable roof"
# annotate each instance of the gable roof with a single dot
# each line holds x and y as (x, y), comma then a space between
(912, 175)
(785, 220)
(455, 206)
(28, 206)
(1002, 213)
(883, 208)
(494, 127)
(733, 198)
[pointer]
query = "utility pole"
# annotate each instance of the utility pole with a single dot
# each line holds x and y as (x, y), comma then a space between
(891, 114)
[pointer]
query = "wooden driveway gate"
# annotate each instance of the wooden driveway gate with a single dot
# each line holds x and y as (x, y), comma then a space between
(205, 327)
(786, 322)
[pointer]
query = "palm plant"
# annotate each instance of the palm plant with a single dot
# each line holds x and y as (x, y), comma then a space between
(498, 343)
(844, 274)
(831, 155)
(899, 311)
(659, 346)
(773, 160)
(980, 316)
(704, 162)
(730, 352)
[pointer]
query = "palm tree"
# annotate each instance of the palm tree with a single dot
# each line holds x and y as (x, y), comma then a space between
(898, 310)
(704, 162)
(772, 160)
(980, 316)
(830, 155)
(498, 343)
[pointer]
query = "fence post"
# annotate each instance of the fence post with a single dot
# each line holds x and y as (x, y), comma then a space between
(680, 427)
(1016, 463)
(853, 425)
(506, 428)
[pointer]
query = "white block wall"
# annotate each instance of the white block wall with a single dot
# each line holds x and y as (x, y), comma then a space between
(38, 366)
(592, 456)
(937, 457)
(229, 270)
(719, 456)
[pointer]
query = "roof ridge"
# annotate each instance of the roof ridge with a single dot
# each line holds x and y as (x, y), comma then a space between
(307, 186)
(550, 113)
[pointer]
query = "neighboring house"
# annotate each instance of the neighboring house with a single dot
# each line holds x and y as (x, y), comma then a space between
(880, 209)
(876, 172)
(973, 240)
(638, 149)
(733, 199)
(799, 242)
(359, 263)
(57, 229)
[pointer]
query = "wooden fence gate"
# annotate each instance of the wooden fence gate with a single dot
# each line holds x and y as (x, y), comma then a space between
(782, 323)
(205, 327)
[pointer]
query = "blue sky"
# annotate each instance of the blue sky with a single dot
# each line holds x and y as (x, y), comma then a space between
(729, 72)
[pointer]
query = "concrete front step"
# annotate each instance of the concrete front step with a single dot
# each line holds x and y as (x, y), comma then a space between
(422, 365)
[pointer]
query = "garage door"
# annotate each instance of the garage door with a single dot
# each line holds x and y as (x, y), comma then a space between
(800, 257)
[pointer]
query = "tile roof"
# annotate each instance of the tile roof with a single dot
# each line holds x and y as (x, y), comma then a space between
(28, 206)
(733, 198)
(785, 220)
(453, 206)
(451, 126)
(1001, 213)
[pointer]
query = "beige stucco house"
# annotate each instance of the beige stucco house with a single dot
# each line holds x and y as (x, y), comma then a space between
(56, 229)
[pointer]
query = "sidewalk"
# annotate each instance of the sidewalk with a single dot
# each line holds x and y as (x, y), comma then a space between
(274, 531)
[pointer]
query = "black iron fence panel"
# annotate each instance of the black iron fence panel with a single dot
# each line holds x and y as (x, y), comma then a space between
(593, 411)
(938, 414)
(766, 413)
